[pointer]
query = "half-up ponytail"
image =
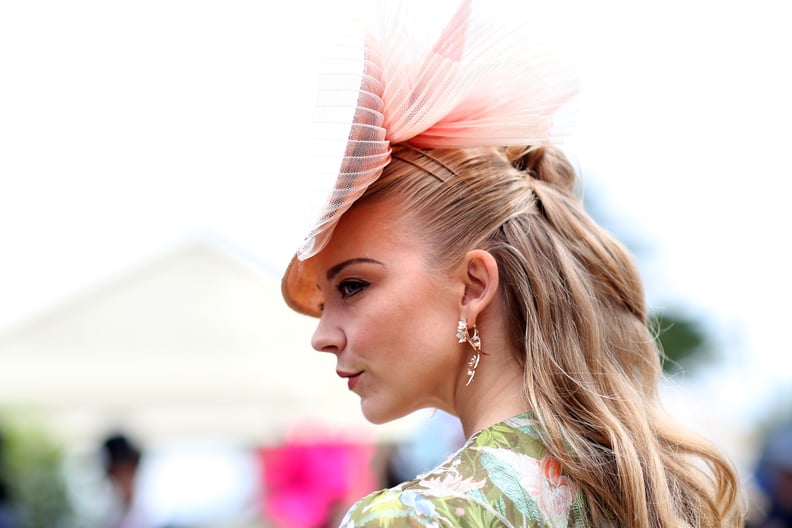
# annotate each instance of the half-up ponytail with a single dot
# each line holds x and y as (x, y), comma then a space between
(545, 164)
(576, 312)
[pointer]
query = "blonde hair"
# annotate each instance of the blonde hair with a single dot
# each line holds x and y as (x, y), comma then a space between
(577, 316)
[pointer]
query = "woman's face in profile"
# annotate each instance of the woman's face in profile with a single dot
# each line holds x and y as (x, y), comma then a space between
(390, 320)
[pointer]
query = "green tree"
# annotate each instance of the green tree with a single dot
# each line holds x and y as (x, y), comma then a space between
(31, 464)
(682, 340)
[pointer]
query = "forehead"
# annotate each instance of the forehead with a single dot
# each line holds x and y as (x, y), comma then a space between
(372, 228)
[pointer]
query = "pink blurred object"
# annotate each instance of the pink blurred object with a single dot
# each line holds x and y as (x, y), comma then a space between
(308, 484)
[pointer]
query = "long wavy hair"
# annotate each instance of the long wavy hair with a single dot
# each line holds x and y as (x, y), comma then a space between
(577, 317)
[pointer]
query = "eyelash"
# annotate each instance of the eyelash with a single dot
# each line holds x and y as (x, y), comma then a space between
(357, 284)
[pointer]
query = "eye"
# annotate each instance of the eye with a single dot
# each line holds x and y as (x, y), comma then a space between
(351, 287)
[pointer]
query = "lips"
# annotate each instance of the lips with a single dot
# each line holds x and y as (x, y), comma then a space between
(351, 377)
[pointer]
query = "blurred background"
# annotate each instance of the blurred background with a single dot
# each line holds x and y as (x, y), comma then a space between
(152, 165)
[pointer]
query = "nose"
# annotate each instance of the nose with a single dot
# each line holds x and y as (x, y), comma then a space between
(328, 337)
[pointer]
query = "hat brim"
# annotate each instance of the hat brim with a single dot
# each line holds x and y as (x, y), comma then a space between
(299, 287)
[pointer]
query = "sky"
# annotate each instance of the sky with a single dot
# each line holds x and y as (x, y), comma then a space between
(127, 128)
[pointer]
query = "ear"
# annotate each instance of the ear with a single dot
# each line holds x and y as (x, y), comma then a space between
(480, 275)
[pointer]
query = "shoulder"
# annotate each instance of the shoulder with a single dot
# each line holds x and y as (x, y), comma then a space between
(500, 477)
(414, 506)
(446, 496)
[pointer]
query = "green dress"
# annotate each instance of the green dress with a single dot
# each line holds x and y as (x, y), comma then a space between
(502, 476)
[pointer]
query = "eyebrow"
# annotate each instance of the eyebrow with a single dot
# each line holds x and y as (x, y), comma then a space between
(335, 270)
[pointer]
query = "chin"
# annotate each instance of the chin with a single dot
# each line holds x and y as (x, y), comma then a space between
(379, 415)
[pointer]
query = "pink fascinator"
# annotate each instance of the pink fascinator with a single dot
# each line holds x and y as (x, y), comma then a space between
(486, 77)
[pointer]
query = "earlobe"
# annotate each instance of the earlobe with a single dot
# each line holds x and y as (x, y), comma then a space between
(481, 282)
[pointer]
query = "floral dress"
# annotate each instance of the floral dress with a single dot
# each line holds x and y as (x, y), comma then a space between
(502, 476)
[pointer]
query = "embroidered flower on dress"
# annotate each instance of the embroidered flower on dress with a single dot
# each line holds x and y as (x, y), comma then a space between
(422, 506)
(450, 483)
(552, 492)
(520, 421)
(556, 492)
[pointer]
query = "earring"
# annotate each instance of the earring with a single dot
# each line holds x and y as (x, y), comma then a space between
(475, 342)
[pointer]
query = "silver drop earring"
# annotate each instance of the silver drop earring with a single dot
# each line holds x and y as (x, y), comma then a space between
(475, 342)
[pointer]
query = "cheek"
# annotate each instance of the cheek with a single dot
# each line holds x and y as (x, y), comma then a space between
(412, 315)
(384, 338)
(371, 334)
(362, 338)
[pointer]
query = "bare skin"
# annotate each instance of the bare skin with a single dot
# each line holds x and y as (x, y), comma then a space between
(391, 321)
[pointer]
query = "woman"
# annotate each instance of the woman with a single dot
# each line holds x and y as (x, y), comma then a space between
(454, 267)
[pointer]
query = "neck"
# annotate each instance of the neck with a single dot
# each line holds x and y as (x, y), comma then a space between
(495, 394)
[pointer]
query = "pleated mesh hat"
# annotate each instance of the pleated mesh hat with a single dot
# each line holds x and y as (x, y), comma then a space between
(492, 73)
